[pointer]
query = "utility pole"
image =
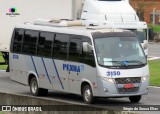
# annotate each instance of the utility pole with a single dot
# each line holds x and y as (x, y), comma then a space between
(154, 16)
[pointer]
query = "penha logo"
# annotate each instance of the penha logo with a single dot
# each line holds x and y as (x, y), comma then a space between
(12, 12)
(73, 68)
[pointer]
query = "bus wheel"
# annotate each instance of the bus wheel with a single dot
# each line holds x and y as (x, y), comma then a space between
(135, 99)
(87, 94)
(35, 90)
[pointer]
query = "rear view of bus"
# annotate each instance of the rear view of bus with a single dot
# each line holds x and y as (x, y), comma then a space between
(121, 65)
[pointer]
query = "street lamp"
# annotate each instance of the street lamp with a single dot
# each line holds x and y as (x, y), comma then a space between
(154, 16)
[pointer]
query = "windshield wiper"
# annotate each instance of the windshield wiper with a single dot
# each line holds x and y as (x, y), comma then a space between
(140, 62)
(124, 63)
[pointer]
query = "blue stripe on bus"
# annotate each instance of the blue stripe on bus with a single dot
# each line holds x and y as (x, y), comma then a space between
(46, 70)
(57, 74)
(34, 65)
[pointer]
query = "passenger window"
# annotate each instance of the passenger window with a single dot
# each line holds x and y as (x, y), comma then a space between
(29, 42)
(87, 55)
(44, 47)
(60, 47)
(17, 43)
(74, 48)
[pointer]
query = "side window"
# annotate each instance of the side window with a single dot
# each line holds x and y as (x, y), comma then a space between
(29, 42)
(44, 47)
(87, 55)
(74, 48)
(17, 43)
(60, 47)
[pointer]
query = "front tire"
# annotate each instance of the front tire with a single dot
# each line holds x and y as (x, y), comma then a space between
(135, 99)
(88, 95)
(35, 90)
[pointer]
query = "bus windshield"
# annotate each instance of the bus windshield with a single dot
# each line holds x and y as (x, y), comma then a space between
(119, 51)
(141, 34)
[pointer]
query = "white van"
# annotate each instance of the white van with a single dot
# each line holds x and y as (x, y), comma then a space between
(88, 61)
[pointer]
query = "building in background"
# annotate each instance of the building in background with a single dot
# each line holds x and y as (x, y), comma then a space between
(147, 10)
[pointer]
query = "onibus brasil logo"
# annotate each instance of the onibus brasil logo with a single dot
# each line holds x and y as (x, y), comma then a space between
(12, 12)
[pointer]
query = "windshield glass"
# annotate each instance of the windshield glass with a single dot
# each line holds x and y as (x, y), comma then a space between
(119, 51)
(141, 34)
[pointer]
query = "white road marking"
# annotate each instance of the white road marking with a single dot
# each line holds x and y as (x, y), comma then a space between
(153, 58)
(154, 87)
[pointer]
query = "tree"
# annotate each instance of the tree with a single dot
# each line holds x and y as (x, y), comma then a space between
(140, 9)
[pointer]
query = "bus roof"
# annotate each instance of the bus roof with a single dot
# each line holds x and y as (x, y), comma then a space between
(77, 30)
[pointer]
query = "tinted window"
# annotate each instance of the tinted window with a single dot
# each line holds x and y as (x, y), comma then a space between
(74, 48)
(17, 43)
(29, 42)
(60, 47)
(87, 57)
(45, 44)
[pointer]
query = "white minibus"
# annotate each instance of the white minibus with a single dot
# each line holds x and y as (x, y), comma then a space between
(88, 61)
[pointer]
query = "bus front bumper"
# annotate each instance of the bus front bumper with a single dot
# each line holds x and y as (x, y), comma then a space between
(106, 89)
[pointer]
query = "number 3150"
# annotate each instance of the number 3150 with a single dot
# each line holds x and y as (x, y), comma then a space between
(113, 73)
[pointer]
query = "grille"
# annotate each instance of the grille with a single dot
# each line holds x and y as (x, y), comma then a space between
(130, 90)
(128, 80)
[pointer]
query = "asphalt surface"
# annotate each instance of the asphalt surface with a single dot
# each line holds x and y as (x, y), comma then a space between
(153, 98)
(154, 50)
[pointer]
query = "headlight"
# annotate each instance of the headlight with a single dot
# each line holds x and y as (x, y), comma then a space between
(108, 80)
(144, 78)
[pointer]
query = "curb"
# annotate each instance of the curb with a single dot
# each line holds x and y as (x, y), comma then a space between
(154, 87)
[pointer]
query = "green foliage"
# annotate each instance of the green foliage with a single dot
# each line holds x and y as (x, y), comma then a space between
(156, 28)
(2, 67)
(154, 67)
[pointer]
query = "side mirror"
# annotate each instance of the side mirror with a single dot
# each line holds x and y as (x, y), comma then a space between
(151, 34)
(145, 44)
(87, 47)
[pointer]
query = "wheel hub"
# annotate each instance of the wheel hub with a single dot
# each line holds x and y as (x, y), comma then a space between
(87, 95)
(34, 87)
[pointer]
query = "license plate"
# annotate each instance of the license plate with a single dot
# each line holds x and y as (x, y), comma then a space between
(127, 86)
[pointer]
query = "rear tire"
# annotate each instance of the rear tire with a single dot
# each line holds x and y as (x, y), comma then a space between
(135, 99)
(35, 90)
(88, 95)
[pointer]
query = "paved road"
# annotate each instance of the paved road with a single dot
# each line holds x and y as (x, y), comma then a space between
(154, 50)
(153, 98)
